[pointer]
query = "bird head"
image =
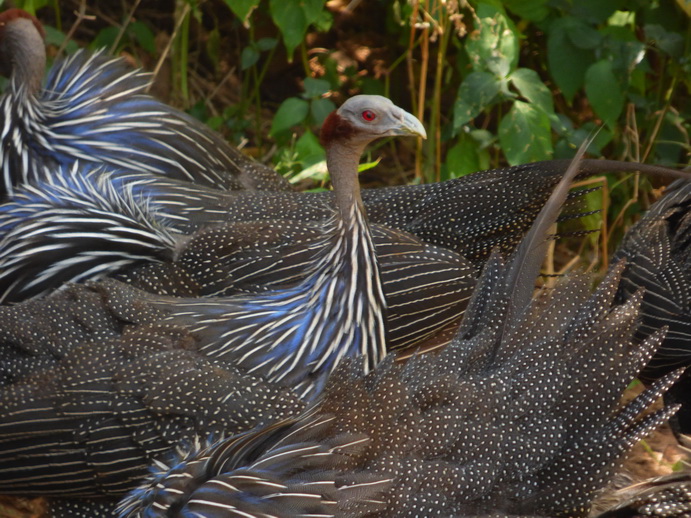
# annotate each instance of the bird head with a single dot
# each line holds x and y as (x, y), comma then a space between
(364, 118)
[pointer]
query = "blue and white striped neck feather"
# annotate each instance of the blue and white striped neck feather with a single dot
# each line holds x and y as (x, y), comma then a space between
(75, 227)
(298, 335)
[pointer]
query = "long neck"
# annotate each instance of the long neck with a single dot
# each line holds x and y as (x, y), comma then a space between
(342, 160)
(25, 48)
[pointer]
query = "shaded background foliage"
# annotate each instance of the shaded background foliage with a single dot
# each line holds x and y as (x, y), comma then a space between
(495, 82)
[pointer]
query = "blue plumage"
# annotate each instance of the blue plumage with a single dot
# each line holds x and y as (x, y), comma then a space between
(95, 108)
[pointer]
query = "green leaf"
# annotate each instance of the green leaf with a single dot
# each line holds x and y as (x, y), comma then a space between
(525, 134)
(531, 10)
(582, 35)
(670, 43)
(56, 37)
(324, 21)
(265, 44)
(290, 20)
(315, 87)
(308, 149)
(242, 8)
(477, 91)
(495, 46)
(249, 57)
(105, 38)
(462, 159)
(293, 17)
(143, 35)
(567, 62)
(291, 113)
(312, 9)
(604, 92)
(530, 86)
(320, 108)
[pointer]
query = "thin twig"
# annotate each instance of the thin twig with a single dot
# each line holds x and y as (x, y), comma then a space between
(166, 51)
(81, 15)
(124, 26)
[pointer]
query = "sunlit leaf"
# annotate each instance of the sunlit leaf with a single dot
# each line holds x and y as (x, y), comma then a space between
(477, 91)
(530, 86)
(495, 45)
(525, 134)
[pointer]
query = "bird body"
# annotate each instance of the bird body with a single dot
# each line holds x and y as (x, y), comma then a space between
(517, 417)
(658, 254)
(94, 108)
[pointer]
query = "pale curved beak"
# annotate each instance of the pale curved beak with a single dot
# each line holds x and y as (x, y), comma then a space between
(410, 125)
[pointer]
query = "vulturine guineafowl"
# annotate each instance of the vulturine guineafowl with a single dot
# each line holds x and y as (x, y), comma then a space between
(94, 108)
(658, 251)
(518, 416)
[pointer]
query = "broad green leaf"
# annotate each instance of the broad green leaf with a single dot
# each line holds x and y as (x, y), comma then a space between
(532, 10)
(567, 62)
(312, 9)
(462, 159)
(308, 149)
(249, 57)
(622, 18)
(525, 134)
(291, 113)
(293, 17)
(582, 35)
(320, 108)
(291, 21)
(530, 86)
(604, 92)
(242, 8)
(105, 38)
(56, 37)
(477, 91)
(495, 46)
(316, 87)
(143, 35)
(324, 21)
(596, 11)
(671, 43)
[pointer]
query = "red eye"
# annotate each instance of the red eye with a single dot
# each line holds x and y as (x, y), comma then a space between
(369, 115)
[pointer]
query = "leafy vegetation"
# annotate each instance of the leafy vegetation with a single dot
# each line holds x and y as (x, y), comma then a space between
(496, 82)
